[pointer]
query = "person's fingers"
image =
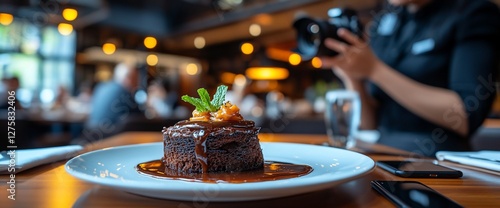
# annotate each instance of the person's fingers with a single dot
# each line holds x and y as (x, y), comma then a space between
(329, 62)
(339, 72)
(326, 62)
(349, 37)
(336, 45)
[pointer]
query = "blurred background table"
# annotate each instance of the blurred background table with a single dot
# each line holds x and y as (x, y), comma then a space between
(51, 186)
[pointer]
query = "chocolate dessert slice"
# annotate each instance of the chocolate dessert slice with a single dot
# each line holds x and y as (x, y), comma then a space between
(215, 139)
(213, 146)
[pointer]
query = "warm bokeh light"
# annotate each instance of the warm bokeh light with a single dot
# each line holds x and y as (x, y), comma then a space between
(278, 53)
(240, 80)
(294, 59)
(257, 111)
(150, 42)
(264, 19)
(247, 48)
(65, 28)
(199, 42)
(108, 48)
(227, 77)
(152, 60)
(70, 14)
(267, 73)
(255, 30)
(103, 73)
(6, 19)
(192, 69)
(316, 62)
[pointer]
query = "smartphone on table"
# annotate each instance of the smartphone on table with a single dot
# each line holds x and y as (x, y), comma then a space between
(412, 194)
(419, 169)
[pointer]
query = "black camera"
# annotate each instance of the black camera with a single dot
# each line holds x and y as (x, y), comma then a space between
(311, 33)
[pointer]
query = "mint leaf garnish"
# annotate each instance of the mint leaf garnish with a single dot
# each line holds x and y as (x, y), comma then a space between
(220, 96)
(205, 98)
(196, 102)
(203, 104)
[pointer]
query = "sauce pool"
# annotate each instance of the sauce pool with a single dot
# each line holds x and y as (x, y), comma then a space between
(272, 171)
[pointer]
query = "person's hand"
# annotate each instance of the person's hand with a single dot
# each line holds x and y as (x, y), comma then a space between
(355, 61)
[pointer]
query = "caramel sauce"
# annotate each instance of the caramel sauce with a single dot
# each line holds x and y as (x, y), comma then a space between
(202, 130)
(272, 171)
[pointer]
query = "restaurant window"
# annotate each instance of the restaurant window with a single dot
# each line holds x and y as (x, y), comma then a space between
(39, 56)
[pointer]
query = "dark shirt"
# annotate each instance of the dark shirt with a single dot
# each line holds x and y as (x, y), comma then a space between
(451, 44)
(111, 105)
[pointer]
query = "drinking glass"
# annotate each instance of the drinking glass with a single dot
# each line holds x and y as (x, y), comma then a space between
(342, 117)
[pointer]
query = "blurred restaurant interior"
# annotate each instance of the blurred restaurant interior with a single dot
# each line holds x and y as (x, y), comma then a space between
(54, 52)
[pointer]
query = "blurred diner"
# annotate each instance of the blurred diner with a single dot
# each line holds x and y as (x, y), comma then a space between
(162, 101)
(112, 104)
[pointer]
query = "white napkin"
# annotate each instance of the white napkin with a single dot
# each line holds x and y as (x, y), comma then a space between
(483, 159)
(28, 158)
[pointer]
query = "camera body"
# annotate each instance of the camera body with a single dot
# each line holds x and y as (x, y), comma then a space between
(311, 33)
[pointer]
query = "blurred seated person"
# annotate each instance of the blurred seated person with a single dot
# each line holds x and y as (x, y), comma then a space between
(162, 100)
(62, 98)
(112, 104)
(86, 90)
(81, 103)
(425, 74)
(3, 94)
(8, 85)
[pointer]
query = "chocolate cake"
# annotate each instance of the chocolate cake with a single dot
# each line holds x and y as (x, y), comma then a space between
(215, 139)
(213, 146)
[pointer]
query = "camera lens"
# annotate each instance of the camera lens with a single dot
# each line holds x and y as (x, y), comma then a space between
(311, 33)
(309, 37)
(314, 36)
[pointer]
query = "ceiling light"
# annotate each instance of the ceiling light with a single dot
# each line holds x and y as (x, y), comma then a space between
(294, 59)
(240, 80)
(316, 62)
(152, 60)
(6, 19)
(255, 30)
(192, 69)
(150, 42)
(65, 28)
(108, 48)
(199, 42)
(247, 48)
(267, 73)
(69, 14)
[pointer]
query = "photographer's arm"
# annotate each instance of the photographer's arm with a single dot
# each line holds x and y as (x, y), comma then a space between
(358, 62)
(426, 101)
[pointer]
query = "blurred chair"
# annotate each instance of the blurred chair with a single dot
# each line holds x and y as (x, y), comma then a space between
(486, 139)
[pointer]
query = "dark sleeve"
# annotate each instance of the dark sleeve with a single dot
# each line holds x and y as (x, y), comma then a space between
(474, 61)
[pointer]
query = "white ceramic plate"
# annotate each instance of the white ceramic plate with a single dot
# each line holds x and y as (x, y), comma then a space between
(115, 167)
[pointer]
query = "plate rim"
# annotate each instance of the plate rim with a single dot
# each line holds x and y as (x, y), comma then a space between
(138, 186)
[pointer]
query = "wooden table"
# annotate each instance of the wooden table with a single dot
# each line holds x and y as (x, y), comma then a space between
(51, 186)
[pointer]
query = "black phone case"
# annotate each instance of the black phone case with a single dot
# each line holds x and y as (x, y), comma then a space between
(420, 174)
(394, 199)
(377, 185)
